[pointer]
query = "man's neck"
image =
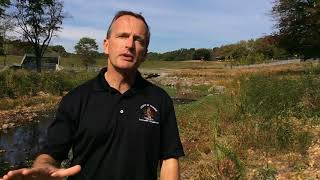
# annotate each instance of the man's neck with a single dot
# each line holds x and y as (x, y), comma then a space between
(120, 80)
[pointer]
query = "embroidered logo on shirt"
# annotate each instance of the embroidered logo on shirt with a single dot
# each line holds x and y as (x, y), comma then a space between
(148, 113)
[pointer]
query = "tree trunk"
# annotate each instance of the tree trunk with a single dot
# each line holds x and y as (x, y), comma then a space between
(38, 61)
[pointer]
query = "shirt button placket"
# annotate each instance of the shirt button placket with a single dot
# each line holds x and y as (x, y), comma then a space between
(121, 108)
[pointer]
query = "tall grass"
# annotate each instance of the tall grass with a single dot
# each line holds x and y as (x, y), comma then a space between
(28, 83)
(272, 113)
(270, 97)
(259, 112)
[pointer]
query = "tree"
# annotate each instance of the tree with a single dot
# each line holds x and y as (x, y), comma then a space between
(203, 54)
(38, 21)
(5, 26)
(59, 50)
(87, 48)
(3, 5)
(299, 26)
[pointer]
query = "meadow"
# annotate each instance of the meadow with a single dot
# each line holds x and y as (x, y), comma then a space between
(245, 123)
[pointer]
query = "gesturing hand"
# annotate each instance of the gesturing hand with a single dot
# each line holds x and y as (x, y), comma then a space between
(43, 173)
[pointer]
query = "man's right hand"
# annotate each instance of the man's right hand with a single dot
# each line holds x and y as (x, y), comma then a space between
(43, 173)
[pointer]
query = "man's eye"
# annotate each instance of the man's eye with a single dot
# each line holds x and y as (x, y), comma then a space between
(140, 40)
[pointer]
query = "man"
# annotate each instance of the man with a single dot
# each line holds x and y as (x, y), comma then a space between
(118, 125)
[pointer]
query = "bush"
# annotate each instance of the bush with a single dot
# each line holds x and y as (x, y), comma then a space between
(272, 97)
(270, 113)
(229, 166)
(252, 58)
(266, 173)
(29, 83)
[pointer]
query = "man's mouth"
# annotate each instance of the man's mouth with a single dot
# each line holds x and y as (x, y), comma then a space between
(127, 56)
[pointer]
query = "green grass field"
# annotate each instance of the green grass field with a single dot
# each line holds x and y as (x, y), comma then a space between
(102, 62)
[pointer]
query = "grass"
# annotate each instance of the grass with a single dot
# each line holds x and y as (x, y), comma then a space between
(76, 62)
(10, 59)
(26, 101)
(29, 83)
(64, 61)
(183, 65)
(263, 113)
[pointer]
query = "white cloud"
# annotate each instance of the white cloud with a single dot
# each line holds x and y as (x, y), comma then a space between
(75, 33)
(70, 35)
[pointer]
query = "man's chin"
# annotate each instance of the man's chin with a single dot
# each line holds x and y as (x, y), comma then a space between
(130, 67)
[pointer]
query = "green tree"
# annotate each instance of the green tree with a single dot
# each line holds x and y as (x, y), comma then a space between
(59, 50)
(38, 21)
(154, 56)
(87, 48)
(299, 26)
(203, 54)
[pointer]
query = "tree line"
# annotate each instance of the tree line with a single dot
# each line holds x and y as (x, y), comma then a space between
(297, 34)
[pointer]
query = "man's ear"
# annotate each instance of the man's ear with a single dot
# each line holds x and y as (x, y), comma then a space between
(106, 46)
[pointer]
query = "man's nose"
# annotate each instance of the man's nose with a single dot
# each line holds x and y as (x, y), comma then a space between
(130, 43)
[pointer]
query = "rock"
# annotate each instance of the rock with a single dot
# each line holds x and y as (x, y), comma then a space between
(41, 93)
(11, 125)
(211, 89)
(5, 126)
(217, 89)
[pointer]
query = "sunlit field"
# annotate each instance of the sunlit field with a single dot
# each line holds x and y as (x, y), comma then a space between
(236, 123)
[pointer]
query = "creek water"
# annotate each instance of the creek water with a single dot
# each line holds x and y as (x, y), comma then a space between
(20, 145)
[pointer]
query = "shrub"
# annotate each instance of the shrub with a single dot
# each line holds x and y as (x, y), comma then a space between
(270, 113)
(266, 173)
(269, 97)
(229, 166)
(21, 82)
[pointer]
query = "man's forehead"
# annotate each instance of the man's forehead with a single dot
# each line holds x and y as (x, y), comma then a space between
(127, 21)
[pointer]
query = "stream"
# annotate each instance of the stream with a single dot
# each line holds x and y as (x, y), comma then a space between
(19, 146)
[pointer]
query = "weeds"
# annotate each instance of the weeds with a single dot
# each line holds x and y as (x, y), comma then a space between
(266, 173)
(22, 83)
(271, 111)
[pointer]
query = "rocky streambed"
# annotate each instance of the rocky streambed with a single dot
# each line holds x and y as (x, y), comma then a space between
(20, 139)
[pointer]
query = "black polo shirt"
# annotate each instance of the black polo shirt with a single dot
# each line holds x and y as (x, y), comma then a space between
(115, 136)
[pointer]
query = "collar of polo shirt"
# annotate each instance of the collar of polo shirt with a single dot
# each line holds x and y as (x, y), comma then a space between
(103, 85)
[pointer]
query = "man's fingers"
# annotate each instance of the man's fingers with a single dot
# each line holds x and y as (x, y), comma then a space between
(60, 173)
(15, 174)
(30, 171)
(67, 172)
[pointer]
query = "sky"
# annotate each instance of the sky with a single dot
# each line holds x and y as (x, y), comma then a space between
(174, 24)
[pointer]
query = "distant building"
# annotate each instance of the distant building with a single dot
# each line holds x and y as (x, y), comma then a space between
(47, 63)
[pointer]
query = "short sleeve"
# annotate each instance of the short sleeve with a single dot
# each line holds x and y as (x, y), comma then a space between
(59, 135)
(170, 143)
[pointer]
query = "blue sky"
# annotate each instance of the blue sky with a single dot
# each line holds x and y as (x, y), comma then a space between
(174, 24)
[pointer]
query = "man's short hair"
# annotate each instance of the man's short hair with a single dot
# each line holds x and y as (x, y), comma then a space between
(130, 13)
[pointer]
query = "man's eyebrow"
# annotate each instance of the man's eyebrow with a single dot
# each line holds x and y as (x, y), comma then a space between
(122, 33)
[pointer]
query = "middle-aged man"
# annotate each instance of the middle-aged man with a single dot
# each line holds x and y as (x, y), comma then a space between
(118, 125)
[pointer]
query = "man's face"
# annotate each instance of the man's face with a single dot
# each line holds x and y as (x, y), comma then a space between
(126, 45)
